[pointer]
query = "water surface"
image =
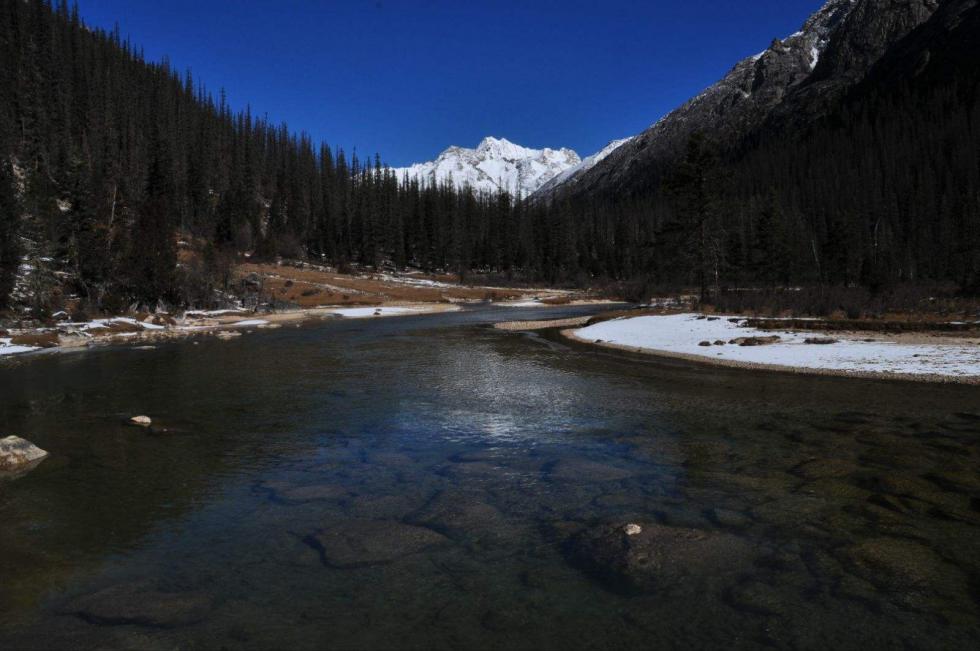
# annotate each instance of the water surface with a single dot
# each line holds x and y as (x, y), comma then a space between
(416, 482)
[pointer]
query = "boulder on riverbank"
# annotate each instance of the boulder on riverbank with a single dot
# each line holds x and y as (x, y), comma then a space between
(17, 456)
(645, 557)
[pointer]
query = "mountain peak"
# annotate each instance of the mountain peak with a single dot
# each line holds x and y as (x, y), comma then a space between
(491, 142)
(496, 164)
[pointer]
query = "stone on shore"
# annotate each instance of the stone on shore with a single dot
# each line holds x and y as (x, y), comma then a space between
(18, 455)
(756, 341)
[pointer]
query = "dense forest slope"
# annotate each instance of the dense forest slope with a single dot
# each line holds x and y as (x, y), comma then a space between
(886, 186)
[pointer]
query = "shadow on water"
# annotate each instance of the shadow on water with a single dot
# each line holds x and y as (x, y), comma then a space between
(432, 482)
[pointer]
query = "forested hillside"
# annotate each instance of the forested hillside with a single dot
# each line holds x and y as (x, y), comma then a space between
(109, 161)
(112, 158)
(876, 187)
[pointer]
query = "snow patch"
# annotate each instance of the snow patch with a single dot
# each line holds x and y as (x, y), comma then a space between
(683, 334)
(361, 312)
(6, 348)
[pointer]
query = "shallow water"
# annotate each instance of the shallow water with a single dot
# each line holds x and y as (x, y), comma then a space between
(419, 482)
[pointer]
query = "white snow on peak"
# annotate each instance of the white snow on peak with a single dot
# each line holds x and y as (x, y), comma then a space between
(496, 164)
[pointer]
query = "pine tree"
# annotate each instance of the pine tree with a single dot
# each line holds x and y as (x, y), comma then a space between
(10, 249)
(153, 254)
(692, 188)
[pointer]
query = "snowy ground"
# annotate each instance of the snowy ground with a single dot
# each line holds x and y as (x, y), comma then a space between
(106, 323)
(6, 348)
(417, 282)
(530, 303)
(682, 334)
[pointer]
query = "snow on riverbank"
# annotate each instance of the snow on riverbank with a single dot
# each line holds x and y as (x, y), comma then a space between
(531, 303)
(362, 312)
(99, 324)
(682, 335)
(7, 348)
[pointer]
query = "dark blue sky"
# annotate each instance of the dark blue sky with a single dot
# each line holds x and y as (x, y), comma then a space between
(409, 78)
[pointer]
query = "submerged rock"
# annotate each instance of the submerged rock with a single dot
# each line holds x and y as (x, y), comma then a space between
(383, 506)
(362, 543)
(824, 468)
(468, 520)
(288, 492)
(729, 518)
(759, 597)
(586, 471)
(655, 557)
(17, 456)
(899, 564)
(141, 604)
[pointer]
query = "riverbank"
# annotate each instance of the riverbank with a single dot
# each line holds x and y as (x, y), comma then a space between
(224, 324)
(266, 296)
(727, 341)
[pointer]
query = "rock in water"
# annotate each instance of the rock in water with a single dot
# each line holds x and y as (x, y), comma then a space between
(465, 519)
(141, 604)
(583, 470)
(650, 557)
(142, 421)
(18, 455)
(361, 543)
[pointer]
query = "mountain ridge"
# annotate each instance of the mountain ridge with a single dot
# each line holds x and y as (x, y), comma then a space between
(792, 81)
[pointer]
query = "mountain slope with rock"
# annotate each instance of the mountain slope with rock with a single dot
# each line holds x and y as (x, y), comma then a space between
(794, 80)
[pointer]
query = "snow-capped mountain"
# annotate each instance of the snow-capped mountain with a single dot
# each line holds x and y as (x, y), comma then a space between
(585, 165)
(495, 164)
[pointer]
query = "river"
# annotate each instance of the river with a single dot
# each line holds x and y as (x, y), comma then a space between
(421, 482)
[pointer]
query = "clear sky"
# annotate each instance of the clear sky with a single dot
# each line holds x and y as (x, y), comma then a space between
(408, 78)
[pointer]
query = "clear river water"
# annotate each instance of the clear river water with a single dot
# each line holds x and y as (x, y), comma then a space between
(425, 482)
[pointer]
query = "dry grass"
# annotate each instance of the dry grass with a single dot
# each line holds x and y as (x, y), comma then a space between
(309, 286)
